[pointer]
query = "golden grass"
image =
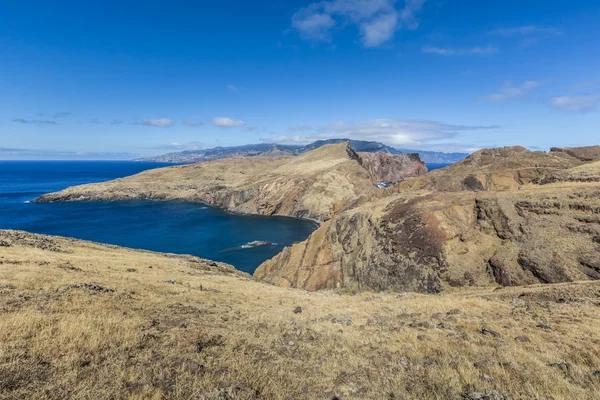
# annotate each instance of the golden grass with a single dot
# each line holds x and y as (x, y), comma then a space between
(188, 329)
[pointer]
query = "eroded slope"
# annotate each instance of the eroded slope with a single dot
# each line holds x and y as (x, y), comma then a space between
(427, 241)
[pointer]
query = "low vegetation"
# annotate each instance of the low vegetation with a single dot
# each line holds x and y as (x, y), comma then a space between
(82, 320)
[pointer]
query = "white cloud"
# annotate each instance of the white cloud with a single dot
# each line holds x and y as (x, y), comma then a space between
(510, 91)
(32, 121)
(392, 132)
(181, 146)
(227, 122)
(379, 30)
(580, 104)
(377, 20)
(190, 122)
(39, 154)
(159, 122)
(525, 31)
(446, 51)
(233, 88)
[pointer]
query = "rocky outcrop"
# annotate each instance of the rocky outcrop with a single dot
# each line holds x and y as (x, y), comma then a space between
(392, 168)
(585, 154)
(493, 169)
(315, 185)
(426, 242)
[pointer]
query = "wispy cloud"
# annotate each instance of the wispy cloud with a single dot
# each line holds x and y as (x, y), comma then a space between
(252, 129)
(299, 128)
(116, 122)
(377, 20)
(9, 151)
(180, 146)
(33, 121)
(59, 115)
(233, 88)
(227, 122)
(159, 122)
(510, 91)
(449, 51)
(393, 132)
(528, 34)
(34, 154)
(580, 104)
(526, 30)
(189, 122)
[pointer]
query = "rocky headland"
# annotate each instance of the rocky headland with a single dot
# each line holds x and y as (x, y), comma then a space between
(315, 185)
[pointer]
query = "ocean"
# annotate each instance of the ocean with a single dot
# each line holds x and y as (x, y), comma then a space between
(170, 227)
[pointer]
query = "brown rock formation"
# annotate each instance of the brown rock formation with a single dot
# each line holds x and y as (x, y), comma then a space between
(392, 168)
(586, 154)
(426, 240)
(314, 185)
(493, 169)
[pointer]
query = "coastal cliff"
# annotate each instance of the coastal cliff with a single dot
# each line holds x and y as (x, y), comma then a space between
(509, 232)
(315, 185)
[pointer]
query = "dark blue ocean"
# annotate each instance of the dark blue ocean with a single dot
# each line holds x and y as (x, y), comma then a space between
(172, 227)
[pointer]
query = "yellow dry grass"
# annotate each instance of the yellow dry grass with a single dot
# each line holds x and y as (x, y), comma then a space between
(153, 326)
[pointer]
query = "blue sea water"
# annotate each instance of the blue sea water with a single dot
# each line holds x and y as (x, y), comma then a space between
(434, 166)
(172, 227)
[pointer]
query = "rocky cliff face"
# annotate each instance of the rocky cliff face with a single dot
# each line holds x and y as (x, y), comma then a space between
(392, 168)
(314, 185)
(427, 240)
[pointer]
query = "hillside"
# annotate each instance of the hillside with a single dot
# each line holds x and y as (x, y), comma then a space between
(478, 222)
(279, 150)
(314, 185)
(83, 320)
(494, 169)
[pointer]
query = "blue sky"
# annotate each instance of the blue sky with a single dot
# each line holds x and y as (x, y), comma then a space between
(118, 79)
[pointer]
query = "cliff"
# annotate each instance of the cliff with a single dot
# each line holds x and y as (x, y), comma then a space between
(314, 185)
(428, 240)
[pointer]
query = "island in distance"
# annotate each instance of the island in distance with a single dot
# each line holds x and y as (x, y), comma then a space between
(279, 150)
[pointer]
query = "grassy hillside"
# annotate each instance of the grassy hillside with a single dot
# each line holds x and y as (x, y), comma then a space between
(82, 320)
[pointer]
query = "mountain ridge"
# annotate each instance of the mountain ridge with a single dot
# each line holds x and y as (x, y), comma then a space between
(279, 150)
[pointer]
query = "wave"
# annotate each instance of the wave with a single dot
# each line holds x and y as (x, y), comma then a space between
(249, 245)
(257, 243)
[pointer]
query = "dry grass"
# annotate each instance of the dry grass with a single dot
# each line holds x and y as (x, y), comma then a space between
(188, 329)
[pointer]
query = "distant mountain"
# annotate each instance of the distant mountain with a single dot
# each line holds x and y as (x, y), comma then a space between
(357, 145)
(279, 150)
